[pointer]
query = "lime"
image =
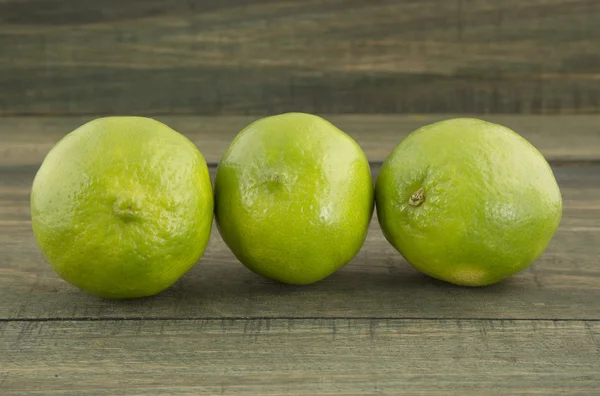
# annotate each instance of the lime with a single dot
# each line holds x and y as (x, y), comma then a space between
(122, 207)
(467, 201)
(293, 198)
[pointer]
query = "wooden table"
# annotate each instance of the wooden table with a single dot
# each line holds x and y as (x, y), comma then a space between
(375, 327)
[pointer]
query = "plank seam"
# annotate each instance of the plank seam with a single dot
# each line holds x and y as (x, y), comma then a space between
(244, 318)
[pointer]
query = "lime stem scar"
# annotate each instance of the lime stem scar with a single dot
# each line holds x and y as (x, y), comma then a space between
(123, 208)
(417, 198)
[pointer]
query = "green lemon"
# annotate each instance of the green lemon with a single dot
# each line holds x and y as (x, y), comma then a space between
(293, 198)
(122, 207)
(467, 201)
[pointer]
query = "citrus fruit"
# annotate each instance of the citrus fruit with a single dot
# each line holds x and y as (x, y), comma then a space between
(467, 201)
(122, 207)
(293, 197)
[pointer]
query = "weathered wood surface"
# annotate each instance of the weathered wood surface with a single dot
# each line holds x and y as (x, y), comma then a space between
(375, 327)
(26, 140)
(263, 57)
(563, 284)
(300, 356)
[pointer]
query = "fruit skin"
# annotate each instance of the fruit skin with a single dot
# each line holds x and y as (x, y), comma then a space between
(490, 201)
(293, 198)
(122, 207)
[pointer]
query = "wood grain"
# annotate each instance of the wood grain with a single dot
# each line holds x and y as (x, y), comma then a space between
(325, 56)
(563, 284)
(27, 140)
(375, 327)
(308, 357)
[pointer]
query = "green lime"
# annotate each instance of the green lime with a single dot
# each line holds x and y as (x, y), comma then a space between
(122, 207)
(293, 197)
(467, 201)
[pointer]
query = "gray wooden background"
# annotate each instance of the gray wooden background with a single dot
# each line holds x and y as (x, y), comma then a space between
(378, 69)
(85, 57)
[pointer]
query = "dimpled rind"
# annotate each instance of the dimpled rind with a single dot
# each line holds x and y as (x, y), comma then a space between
(122, 207)
(490, 202)
(293, 198)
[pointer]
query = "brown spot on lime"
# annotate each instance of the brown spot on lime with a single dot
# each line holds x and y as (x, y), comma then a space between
(417, 198)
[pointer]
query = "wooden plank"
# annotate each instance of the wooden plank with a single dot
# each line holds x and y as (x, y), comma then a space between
(327, 56)
(563, 284)
(308, 357)
(26, 140)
